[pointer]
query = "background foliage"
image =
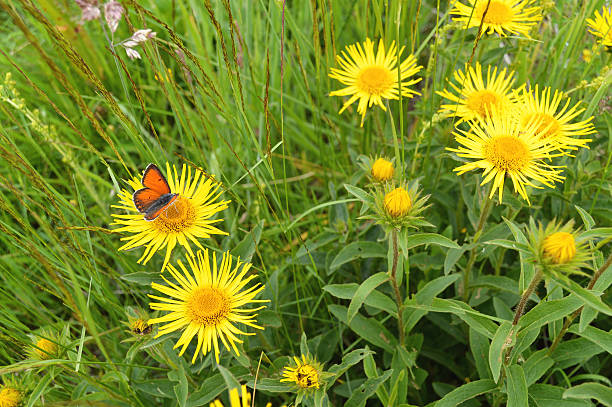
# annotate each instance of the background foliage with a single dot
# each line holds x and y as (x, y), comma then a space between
(240, 90)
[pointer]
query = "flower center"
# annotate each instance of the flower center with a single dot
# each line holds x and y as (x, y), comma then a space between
(498, 13)
(482, 101)
(177, 217)
(507, 153)
(560, 247)
(207, 306)
(374, 80)
(9, 397)
(307, 376)
(548, 126)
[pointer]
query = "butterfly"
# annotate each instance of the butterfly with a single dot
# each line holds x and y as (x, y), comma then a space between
(155, 196)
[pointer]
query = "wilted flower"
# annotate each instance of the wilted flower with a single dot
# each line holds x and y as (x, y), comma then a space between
(305, 373)
(137, 38)
(112, 13)
(89, 9)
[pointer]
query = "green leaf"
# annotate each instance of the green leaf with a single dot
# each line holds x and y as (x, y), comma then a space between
(466, 392)
(496, 350)
(479, 345)
(359, 193)
(39, 389)
(516, 387)
(367, 328)
(546, 395)
(143, 278)
(376, 299)
(181, 388)
(425, 296)
(452, 257)
(246, 247)
(230, 381)
(366, 390)
(588, 297)
(537, 365)
(595, 335)
(348, 360)
(363, 292)
(509, 244)
(357, 250)
(418, 239)
(549, 311)
(596, 391)
(587, 219)
(527, 268)
(271, 385)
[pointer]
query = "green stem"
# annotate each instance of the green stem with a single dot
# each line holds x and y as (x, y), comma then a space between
(572, 317)
(520, 308)
(484, 214)
(396, 290)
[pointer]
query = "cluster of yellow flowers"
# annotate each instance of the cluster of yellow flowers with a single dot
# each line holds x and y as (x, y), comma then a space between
(205, 300)
(511, 132)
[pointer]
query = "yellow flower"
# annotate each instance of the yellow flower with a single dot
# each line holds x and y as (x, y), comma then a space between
(560, 247)
(10, 397)
(140, 327)
(370, 77)
(397, 202)
(554, 123)
(502, 16)
(382, 170)
(601, 26)
(44, 349)
(475, 98)
(207, 303)
(235, 399)
(587, 55)
(185, 221)
(305, 373)
(501, 147)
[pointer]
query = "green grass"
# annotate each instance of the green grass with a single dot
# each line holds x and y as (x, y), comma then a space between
(86, 118)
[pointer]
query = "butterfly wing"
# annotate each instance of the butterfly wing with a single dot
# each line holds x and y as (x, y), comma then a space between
(145, 198)
(159, 205)
(155, 180)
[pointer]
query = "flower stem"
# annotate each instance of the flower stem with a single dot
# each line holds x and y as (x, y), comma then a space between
(484, 214)
(520, 308)
(396, 290)
(575, 314)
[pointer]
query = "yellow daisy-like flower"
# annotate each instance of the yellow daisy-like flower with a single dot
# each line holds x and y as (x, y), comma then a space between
(10, 397)
(207, 303)
(185, 221)
(371, 77)
(236, 400)
(498, 16)
(473, 97)
(44, 349)
(554, 122)
(560, 247)
(382, 170)
(601, 26)
(501, 147)
(305, 374)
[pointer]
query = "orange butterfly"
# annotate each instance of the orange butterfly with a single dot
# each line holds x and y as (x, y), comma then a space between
(155, 196)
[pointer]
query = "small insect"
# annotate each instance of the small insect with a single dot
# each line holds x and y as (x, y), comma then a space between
(155, 196)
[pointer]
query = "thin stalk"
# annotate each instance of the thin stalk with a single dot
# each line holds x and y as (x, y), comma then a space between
(484, 214)
(520, 308)
(572, 317)
(396, 290)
